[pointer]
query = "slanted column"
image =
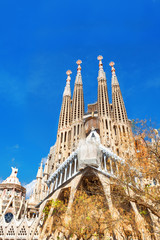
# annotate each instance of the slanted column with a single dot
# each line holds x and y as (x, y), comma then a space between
(70, 169)
(111, 166)
(48, 191)
(117, 169)
(75, 165)
(60, 181)
(56, 185)
(52, 186)
(65, 173)
(105, 167)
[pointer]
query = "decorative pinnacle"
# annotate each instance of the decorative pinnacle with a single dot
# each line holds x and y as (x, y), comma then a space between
(69, 72)
(100, 57)
(100, 61)
(114, 77)
(112, 66)
(79, 65)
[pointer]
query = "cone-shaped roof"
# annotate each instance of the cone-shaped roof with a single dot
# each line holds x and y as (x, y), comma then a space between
(13, 177)
(40, 171)
(46, 168)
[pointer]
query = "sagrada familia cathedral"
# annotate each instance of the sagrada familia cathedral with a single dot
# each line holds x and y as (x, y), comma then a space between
(92, 145)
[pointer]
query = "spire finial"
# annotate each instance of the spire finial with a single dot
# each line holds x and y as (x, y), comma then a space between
(69, 72)
(67, 90)
(79, 65)
(100, 61)
(112, 66)
(114, 77)
(78, 77)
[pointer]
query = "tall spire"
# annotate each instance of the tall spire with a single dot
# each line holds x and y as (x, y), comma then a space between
(79, 76)
(114, 77)
(101, 73)
(103, 101)
(104, 112)
(65, 118)
(67, 90)
(64, 127)
(119, 110)
(77, 108)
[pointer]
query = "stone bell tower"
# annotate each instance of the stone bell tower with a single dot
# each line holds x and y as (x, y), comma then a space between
(77, 131)
(104, 111)
(63, 143)
(121, 126)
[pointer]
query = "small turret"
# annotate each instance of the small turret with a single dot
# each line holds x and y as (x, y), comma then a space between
(40, 171)
(46, 169)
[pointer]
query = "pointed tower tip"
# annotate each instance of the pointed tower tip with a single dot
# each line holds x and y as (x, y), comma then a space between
(69, 72)
(67, 90)
(78, 77)
(100, 57)
(114, 77)
(111, 64)
(79, 65)
(79, 62)
(100, 61)
(101, 73)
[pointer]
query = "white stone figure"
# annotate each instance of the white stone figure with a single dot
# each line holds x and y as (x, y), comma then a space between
(88, 153)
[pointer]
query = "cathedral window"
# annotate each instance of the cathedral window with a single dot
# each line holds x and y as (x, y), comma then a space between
(69, 135)
(106, 124)
(8, 217)
(65, 136)
(115, 130)
(123, 130)
(117, 151)
(61, 137)
(78, 130)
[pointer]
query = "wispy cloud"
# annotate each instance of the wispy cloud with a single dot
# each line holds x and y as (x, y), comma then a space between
(29, 188)
(1, 180)
(44, 160)
(155, 83)
(15, 146)
(13, 159)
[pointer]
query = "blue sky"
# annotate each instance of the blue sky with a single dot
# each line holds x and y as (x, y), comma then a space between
(40, 40)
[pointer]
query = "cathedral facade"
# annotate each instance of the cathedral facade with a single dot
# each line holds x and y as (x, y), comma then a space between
(92, 147)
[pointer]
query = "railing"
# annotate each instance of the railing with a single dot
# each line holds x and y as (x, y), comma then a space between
(67, 170)
(109, 165)
(112, 165)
